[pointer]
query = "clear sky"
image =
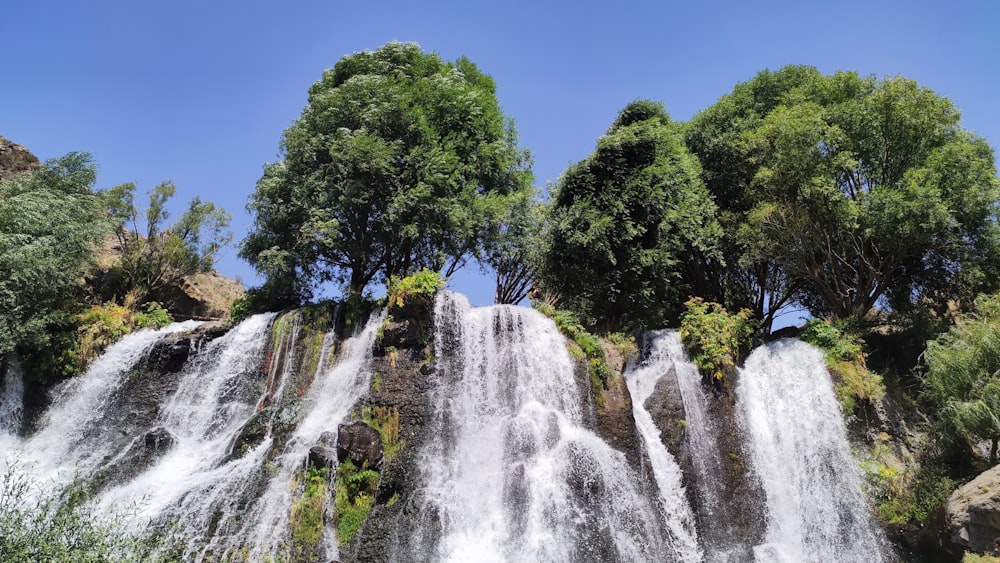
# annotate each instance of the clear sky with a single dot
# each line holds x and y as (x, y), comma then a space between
(199, 92)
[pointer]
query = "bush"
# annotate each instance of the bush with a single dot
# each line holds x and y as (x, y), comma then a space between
(307, 513)
(845, 358)
(714, 336)
(417, 289)
(102, 325)
(355, 495)
(36, 525)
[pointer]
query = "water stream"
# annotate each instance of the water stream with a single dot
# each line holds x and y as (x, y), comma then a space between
(513, 475)
(817, 511)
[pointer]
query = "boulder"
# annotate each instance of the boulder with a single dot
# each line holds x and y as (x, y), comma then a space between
(972, 513)
(15, 159)
(359, 443)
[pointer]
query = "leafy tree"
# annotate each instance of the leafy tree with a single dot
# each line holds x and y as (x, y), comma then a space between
(50, 223)
(748, 275)
(153, 255)
(399, 161)
(624, 222)
(853, 191)
(515, 249)
(962, 376)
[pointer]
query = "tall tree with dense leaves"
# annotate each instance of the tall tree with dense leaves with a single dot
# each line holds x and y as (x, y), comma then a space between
(624, 223)
(50, 224)
(875, 194)
(852, 191)
(749, 275)
(399, 161)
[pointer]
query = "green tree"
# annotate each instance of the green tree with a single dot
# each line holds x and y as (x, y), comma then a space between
(399, 161)
(624, 223)
(154, 255)
(854, 191)
(749, 275)
(514, 254)
(50, 224)
(962, 376)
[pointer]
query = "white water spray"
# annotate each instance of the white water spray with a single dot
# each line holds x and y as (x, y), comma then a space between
(327, 404)
(665, 353)
(817, 510)
(512, 475)
(72, 436)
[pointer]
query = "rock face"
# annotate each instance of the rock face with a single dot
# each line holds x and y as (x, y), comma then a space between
(359, 443)
(15, 159)
(206, 295)
(972, 513)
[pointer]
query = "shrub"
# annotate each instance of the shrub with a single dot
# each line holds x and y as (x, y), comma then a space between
(102, 325)
(36, 525)
(307, 513)
(353, 500)
(715, 336)
(417, 289)
(845, 358)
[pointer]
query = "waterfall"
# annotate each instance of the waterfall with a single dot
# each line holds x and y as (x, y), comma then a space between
(512, 475)
(664, 356)
(80, 428)
(11, 397)
(817, 511)
(193, 482)
(327, 404)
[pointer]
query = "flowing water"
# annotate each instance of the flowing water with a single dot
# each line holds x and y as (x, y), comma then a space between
(509, 471)
(74, 434)
(513, 475)
(817, 511)
(194, 482)
(664, 356)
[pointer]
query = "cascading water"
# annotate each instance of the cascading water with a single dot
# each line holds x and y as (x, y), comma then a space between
(194, 481)
(73, 436)
(816, 508)
(665, 356)
(512, 475)
(11, 398)
(328, 403)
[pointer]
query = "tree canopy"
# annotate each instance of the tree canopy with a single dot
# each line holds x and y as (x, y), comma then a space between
(625, 220)
(399, 161)
(50, 224)
(155, 255)
(845, 192)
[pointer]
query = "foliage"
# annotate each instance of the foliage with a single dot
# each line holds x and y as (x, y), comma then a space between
(623, 223)
(37, 526)
(355, 495)
(154, 255)
(386, 421)
(748, 275)
(970, 557)
(400, 161)
(514, 256)
(714, 336)
(50, 223)
(417, 289)
(846, 360)
(306, 520)
(841, 191)
(962, 376)
(853, 191)
(901, 498)
(569, 325)
(103, 325)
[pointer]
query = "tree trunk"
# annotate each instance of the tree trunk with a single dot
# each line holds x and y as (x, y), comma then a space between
(993, 450)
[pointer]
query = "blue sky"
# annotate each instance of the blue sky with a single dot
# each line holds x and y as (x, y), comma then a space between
(199, 92)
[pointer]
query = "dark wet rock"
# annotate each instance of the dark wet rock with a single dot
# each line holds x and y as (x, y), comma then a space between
(359, 443)
(322, 457)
